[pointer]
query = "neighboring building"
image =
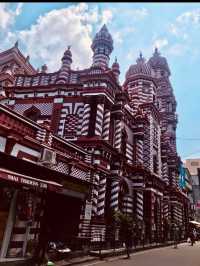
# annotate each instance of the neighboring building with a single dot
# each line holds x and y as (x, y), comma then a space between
(193, 166)
(126, 132)
(41, 177)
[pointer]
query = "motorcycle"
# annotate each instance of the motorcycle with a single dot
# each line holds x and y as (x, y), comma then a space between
(58, 250)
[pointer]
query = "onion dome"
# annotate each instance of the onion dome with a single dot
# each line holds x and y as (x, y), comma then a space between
(158, 61)
(103, 36)
(102, 47)
(141, 67)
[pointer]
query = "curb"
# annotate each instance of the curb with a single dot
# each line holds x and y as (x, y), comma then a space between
(133, 250)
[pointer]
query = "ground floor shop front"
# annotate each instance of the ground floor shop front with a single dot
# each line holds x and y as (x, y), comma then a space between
(33, 208)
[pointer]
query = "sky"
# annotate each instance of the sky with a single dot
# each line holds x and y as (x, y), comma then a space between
(44, 30)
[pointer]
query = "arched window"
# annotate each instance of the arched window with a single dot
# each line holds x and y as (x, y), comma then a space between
(32, 113)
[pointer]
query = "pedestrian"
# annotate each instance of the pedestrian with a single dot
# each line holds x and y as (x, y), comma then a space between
(195, 235)
(128, 240)
(175, 235)
(192, 237)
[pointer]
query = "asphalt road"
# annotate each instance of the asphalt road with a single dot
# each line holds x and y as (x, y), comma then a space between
(184, 255)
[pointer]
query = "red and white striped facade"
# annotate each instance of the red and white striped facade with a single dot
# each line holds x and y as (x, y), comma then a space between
(128, 130)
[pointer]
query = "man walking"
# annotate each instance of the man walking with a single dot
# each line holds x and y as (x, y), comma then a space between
(175, 232)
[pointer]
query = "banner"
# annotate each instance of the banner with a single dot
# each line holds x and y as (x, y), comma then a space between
(182, 174)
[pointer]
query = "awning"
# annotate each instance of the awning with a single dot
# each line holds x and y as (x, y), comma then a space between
(195, 223)
(29, 181)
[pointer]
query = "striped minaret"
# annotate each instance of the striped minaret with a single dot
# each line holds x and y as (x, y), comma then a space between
(139, 205)
(106, 125)
(102, 47)
(95, 194)
(86, 119)
(41, 134)
(99, 119)
(114, 199)
(118, 134)
(101, 196)
(65, 68)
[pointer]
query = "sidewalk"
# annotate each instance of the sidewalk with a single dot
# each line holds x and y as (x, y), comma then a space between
(96, 255)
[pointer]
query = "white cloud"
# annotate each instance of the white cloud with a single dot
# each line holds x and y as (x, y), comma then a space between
(185, 23)
(160, 43)
(140, 13)
(120, 36)
(107, 16)
(117, 37)
(7, 15)
(47, 39)
(189, 17)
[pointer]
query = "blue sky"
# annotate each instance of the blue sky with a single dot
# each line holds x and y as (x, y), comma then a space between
(44, 31)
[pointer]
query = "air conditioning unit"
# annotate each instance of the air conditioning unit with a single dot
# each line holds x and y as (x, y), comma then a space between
(48, 157)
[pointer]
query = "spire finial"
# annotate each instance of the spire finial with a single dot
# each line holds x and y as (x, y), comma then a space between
(27, 58)
(69, 47)
(140, 59)
(16, 44)
(115, 59)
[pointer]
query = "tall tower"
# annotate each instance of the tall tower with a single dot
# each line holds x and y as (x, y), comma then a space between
(159, 65)
(65, 67)
(115, 69)
(102, 47)
(166, 98)
(167, 110)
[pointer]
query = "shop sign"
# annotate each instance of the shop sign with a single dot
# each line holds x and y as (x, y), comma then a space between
(25, 181)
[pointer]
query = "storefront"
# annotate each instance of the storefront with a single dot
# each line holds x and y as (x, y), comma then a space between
(49, 198)
(22, 204)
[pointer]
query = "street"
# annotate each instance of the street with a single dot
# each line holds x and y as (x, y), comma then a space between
(184, 255)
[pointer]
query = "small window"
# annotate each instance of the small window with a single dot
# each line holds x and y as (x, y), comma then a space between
(194, 163)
